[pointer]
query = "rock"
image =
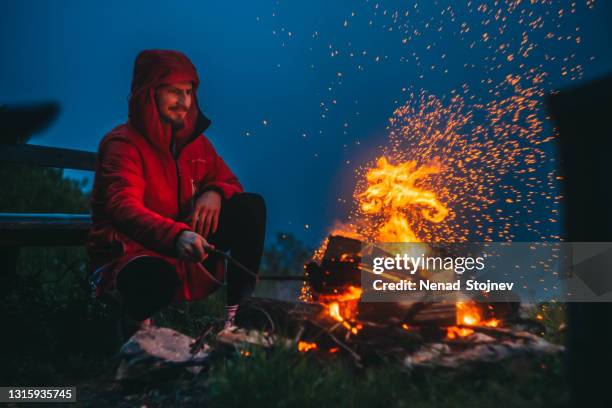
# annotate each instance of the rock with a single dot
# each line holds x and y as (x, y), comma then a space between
(156, 349)
(479, 348)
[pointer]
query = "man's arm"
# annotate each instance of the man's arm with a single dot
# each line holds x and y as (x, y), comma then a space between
(220, 184)
(222, 179)
(121, 173)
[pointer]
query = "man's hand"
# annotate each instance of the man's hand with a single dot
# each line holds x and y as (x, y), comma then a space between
(192, 246)
(205, 216)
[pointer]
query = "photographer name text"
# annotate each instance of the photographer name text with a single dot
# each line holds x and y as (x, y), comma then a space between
(427, 285)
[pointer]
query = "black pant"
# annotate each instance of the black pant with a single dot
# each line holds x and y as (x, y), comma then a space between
(147, 284)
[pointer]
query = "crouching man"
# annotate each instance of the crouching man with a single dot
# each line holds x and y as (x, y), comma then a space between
(162, 197)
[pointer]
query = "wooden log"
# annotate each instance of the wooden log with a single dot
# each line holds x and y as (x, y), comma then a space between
(261, 324)
(309, 322)
(411, 313)
(434, 314)
(339, 247)
(270, 314)
(339, 267)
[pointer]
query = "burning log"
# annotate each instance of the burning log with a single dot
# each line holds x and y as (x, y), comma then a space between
(339, 273)
(411, 313)
(339, 267)
(268, 314)
(337, 278)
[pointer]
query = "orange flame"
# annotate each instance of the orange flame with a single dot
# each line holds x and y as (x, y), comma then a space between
(342, 307)
(468, 314)
(304, 346)
(453, 332)
(393, 191)
(346, 230)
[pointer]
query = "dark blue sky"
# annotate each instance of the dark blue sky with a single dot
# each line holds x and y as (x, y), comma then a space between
(299, 92)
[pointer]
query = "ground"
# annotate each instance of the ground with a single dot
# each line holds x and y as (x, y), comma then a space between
(64, 346)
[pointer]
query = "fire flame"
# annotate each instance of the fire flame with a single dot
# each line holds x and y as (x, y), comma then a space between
(394, 191)
(305, 346)
(468, 314)
(342, 307)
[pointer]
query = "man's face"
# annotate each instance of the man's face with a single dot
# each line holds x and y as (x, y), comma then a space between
(173, 102)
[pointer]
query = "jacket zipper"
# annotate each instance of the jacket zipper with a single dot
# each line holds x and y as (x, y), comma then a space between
(176, 157)
(178, 179)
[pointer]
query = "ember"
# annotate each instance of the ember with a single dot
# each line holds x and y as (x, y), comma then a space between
(305, 346)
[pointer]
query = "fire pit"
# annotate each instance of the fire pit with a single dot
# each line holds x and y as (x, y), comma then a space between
(331, 320)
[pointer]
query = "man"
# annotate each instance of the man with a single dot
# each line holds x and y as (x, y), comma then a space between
(162, 197)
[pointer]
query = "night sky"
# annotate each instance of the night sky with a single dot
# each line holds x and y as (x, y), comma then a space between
(299, 93)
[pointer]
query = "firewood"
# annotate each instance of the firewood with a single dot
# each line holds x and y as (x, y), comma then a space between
(411, 313)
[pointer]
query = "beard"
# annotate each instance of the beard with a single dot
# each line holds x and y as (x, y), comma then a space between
(176, 124)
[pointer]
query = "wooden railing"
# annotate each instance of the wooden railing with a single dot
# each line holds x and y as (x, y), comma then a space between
(19, 229)
(27, 229)
(47, 156)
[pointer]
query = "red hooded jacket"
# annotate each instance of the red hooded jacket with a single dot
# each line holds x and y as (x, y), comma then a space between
(143, 193)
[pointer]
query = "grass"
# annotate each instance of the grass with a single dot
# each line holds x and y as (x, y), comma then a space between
(190, 317)
(285, 378)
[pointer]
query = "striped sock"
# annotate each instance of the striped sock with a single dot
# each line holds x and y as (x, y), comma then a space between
(231, 316)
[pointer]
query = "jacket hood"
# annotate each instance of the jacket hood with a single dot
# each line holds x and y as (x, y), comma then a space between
(153, 68)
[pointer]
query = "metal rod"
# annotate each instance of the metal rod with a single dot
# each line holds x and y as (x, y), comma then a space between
(285, 278)
(233, 261)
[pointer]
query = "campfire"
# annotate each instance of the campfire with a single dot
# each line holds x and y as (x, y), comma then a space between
(330, 321)
(394, 195)
(333, 284)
